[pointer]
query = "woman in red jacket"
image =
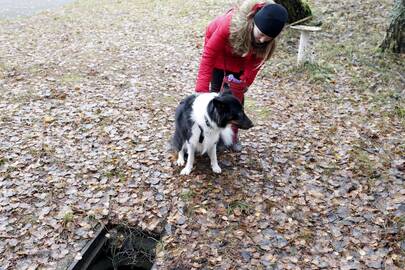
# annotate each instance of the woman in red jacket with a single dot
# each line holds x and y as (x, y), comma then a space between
(238, 43)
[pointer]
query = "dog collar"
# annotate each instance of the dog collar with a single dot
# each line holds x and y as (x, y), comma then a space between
(207, 122)
(201, 138)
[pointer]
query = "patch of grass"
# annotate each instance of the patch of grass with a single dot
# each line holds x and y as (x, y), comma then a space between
(383, 98)
(35, 153)
(307, 235)
(395, 239)
(122, 177)
(168, 100)
(29, 219)
(317, 73)
(400, 222)
(5, 118)
(187, 195)
(36, 69)
(270, 204)
(363, 161)
(71, 78)
(262, 113)
(254, 163)
(116, 172)
(400, 111)
(93, 221)
(2, 70)
(388, 103)
(92, 218)
(67, 218)
(330, 170)
(190, 210)
(160, 246)
(243, 207)
(363, 164)
(359, 82)
(23, 97)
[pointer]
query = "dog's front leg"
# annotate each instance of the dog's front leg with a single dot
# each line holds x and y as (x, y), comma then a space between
(180, 159)
(190, 160)
(212, 153)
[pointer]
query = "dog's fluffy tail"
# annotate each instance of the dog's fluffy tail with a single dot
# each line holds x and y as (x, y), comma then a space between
(173, 146)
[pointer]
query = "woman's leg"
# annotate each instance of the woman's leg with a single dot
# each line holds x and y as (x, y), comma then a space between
(217, 78)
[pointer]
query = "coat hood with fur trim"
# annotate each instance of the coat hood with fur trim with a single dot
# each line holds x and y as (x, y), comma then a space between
(240, 30)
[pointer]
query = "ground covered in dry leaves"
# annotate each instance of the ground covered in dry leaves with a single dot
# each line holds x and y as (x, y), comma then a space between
(87, 97)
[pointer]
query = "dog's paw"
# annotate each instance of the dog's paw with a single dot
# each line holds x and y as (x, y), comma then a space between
(180, 162)
(185, 171)
(216, 168)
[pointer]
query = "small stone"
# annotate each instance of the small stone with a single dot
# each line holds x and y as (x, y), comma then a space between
(181, 220)
(281, 242)
(226, 163)
(376, 264)
(168, 229)
(246, 255)
(338, 246)
(265, 244)
(323, 264)
(154, 181)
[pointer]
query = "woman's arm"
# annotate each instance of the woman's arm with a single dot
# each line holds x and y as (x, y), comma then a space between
(214, 45)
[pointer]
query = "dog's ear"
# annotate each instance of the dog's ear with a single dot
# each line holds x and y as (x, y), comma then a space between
(219, 104)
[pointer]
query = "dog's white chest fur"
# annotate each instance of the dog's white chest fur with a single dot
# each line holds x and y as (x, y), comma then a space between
(210, 131)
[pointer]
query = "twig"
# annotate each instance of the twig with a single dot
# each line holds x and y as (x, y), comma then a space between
(300, 21)
(8, 236)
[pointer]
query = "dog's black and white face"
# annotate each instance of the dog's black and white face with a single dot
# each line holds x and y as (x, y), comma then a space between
(226, 109)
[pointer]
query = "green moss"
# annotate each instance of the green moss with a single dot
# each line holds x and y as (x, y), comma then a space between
(307, 8)
(400, 111)
(68, 217)
(71, 78)
(187, 195)
(315, 73)
(242, 206)
(260, 112)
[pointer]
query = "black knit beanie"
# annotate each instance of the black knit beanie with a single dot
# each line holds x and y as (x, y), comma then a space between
(270, 19)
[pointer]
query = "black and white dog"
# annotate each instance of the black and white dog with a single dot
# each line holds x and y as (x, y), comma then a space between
(201, 120)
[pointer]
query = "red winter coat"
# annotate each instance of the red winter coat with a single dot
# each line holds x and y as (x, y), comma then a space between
(218, 54)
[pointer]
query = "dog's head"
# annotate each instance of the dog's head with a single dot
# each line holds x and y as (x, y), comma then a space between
(228, 110)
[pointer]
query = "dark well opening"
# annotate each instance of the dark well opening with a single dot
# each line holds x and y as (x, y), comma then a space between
(119, 248)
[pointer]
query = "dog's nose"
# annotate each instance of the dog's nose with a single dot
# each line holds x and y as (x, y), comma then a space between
(246, 124)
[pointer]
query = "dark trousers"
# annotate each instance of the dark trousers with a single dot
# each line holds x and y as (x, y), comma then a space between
(218, 77)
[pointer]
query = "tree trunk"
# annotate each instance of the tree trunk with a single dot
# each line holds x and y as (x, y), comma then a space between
(395, 38)
(297, 9)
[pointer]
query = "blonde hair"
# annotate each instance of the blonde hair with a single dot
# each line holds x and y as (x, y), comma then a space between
(241, 29)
